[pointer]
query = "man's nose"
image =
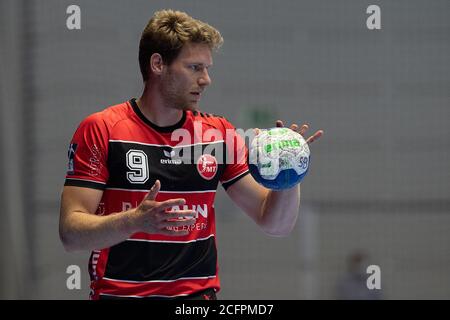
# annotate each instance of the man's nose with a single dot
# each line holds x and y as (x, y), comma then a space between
(204, 79)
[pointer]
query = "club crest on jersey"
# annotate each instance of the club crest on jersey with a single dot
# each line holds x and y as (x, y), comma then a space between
(71, 155)
(207, 166)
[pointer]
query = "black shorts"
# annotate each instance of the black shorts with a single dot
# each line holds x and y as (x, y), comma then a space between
(207, 294)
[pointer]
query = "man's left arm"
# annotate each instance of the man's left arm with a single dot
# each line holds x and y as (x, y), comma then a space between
(274, 211)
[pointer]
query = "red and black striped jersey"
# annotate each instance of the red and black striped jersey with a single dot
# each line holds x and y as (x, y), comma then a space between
(119, 151)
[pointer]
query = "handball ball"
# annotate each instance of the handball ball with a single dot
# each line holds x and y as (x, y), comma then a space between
(278, 158)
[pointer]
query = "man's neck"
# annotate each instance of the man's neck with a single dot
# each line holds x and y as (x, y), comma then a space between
(154, 109)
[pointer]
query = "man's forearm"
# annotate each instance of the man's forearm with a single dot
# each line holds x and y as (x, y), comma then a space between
(280, 211)
(84, 231)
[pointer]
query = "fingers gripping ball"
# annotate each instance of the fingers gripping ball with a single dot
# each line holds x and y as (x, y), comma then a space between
(279, 158)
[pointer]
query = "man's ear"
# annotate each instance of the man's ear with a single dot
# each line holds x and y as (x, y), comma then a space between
(156, 64)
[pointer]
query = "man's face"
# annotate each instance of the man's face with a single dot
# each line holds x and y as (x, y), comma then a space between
(184, 81)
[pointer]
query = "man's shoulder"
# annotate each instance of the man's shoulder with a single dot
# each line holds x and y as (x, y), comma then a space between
(109, 116)
(204, 115)
(218, 121)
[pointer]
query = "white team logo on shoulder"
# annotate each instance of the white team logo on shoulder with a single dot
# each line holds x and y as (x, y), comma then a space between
(207, 166)
(71, 155)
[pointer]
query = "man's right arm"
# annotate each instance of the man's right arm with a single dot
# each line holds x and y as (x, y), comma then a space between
(81, 229)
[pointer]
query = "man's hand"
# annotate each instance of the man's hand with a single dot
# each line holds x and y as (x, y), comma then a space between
(152, 216)
(302, 130)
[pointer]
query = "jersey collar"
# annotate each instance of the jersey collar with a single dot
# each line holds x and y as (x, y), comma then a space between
(171, 128)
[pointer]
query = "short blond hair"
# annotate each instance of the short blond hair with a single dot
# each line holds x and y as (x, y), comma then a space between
(167, 32)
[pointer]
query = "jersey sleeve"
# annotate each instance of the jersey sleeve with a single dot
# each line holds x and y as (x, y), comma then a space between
(88, 149)
(236, 166)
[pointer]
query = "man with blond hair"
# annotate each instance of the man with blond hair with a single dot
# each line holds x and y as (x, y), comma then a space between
(148, 215)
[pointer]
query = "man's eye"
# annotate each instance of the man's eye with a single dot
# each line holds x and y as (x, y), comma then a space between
(195, 67)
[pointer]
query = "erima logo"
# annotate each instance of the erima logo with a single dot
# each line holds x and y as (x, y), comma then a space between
(170, 155)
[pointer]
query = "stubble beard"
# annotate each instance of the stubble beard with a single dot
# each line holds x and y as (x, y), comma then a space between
(173, 96)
